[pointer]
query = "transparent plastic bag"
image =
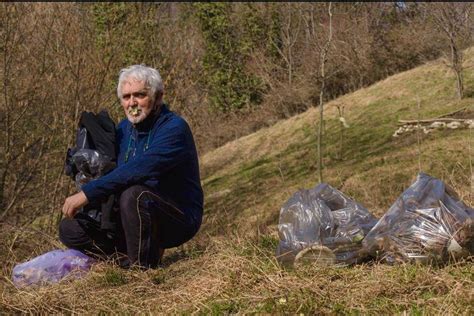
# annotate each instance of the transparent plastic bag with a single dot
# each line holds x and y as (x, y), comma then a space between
(324, 225)
(90, 165)
(51, 267)
(427, 223)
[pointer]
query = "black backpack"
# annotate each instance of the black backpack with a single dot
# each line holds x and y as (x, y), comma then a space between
(94, 155)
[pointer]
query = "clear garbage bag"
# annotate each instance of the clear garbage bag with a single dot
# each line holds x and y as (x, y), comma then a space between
(90, 165)
(51, 267)
(322, 225)
(428, 223)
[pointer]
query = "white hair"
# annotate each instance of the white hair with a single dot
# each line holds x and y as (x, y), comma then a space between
(150, 76)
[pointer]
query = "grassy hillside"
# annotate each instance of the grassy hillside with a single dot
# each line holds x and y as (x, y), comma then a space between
(230, 266)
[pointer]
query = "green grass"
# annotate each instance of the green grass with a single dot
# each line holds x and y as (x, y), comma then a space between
(112, 277)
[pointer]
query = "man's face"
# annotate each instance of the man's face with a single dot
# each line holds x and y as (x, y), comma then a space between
(136, 101)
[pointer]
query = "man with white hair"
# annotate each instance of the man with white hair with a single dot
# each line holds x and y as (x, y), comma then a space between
(157, 180)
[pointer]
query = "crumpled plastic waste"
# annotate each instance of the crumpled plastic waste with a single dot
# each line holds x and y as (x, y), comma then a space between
(90, 165)
(324, 226)
(51, 267)
(428, 223)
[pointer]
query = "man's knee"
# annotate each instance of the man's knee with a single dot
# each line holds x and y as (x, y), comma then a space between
(70, 232)
(130, 196)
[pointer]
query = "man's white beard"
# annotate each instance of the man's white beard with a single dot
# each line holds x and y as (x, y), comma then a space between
(137, 119)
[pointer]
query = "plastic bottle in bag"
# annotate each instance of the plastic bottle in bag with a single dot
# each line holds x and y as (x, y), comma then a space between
(324, 226)
(427, 223)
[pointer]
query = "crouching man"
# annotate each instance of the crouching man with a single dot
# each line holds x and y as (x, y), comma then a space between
(157, 180)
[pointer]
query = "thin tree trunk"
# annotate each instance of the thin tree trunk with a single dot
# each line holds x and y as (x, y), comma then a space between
(323, 57)
(7, 139)
(320, 132)
(456, 60)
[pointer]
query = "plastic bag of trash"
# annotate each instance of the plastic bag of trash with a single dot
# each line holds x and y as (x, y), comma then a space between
(90, 165)
(51, 267)
(427, 223)
(324, 226)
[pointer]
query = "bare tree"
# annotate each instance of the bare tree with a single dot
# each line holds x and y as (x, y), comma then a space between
(22, 150)
(290, 33)
(323, 58)
(453, 19)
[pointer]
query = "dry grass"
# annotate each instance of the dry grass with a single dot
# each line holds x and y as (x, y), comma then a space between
(230, 266)
(232, 274)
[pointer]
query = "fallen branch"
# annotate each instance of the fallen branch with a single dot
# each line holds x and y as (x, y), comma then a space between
(441, 118)
(427, 126)
(454, 112)
(403, 122)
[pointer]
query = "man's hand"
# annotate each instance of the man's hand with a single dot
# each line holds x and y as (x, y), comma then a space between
(73, 203)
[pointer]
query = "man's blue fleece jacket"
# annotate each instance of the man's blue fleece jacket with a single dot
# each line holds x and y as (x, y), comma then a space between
(159, 153)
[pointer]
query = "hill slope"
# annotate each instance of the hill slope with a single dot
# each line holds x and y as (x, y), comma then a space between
(257, 173)
(230, 266)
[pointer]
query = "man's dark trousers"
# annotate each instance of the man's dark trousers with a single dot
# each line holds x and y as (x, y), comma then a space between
(147, 223)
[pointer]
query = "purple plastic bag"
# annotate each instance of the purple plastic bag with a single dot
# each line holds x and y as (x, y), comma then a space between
(51, 267)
